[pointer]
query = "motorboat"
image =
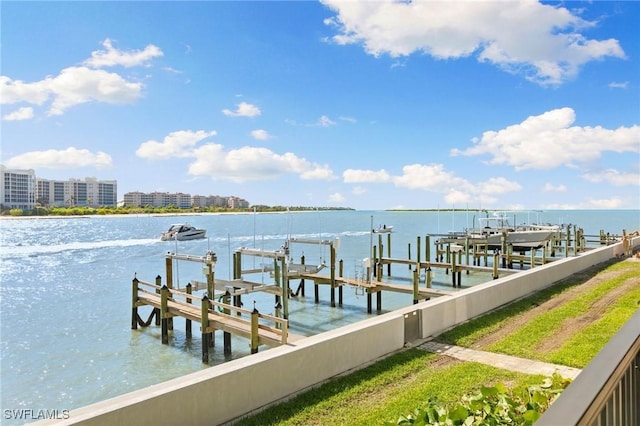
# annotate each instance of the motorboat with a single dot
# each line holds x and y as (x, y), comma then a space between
(491, 230)
(382, 229)
(182, 232)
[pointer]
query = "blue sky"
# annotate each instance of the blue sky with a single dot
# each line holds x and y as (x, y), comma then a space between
(369, 105)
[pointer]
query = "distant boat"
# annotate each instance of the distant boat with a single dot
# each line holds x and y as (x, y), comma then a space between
(382, 229)
(183, 232)
(492, 228)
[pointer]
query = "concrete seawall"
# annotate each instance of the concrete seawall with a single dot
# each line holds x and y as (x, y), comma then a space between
(222, 393)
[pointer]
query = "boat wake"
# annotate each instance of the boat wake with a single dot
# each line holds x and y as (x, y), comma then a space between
(8, 252)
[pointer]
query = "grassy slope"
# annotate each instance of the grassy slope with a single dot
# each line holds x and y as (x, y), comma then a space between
(400, 383)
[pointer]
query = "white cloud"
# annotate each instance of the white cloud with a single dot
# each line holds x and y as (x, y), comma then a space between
(359, 190)
(24, 113)
(260, 134)
(435, 178)
(80, 84)
(76, 85)
(325, 121)
(73, 86)
(549, 187)
(605, 203)
(348, 119)
(13, 91)
(432, 177)
(548, 141)
(615, 85)
(540, 41)
(243, 109)
(113, 57)
(362, 176)
(178, 144)
(252, 163)
(614, 177)
(70, 158)
(336, 197)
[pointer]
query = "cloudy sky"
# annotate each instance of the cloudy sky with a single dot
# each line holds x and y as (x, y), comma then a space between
(369, 105)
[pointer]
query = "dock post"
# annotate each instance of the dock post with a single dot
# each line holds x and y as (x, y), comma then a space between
(388, 253)
(427, 248)
(428, 277)
(278, 312)
(409, 254)
(418, 249)
(496, 259)
(467, 246)
(226, 336)
(379, 301)
(332, 274)
(134, 304)
(567, 241)
(284, 277)
(415, 286)
(368, 301)
(188, 321)
(254, 329)
(447, 258)
(301, 286)
(340, 274)
(204, 325)
(503, 249)
(460, 270)
(453, 269)
(164, 296)
(169, 267)
(156, 310)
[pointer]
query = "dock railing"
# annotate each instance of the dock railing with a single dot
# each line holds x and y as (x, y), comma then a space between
(607, 391)
(259, 328)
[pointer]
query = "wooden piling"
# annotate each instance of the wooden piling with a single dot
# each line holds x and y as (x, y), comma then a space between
(427, 248)
(134, 304)
(226, 336)
(156, 311)
(188, 321)
(164, 311)
(204, 325)
(416, 282)
(254, 330)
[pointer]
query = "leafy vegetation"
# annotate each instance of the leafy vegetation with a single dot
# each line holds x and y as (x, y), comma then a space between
(492, 405)
(90, 211)
(379, 392)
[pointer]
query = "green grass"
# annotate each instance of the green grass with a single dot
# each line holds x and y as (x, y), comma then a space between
(385, 390)
(400, 383)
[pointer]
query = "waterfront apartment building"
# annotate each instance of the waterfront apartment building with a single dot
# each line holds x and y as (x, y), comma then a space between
(157, 199)
(88, 192)
(17, 188)
(181, 200)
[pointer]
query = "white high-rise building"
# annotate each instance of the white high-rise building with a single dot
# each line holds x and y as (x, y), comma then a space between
(76, 192)
(17, 188)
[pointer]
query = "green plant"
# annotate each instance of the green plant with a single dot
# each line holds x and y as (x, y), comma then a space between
(491, 405)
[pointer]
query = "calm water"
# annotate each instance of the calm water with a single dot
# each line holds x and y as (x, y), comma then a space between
(66, 291)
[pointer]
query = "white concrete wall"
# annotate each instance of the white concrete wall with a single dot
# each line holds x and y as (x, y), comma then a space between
(222, 393)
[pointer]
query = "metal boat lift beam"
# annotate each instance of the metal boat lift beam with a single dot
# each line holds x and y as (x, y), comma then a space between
(274, 254)
(305, 241)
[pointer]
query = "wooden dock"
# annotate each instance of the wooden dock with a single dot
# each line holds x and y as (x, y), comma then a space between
(213, 315)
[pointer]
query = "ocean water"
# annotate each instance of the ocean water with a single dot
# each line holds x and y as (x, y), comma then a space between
(65, 293)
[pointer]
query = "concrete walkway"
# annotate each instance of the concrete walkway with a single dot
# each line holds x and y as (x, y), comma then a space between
(506, 362)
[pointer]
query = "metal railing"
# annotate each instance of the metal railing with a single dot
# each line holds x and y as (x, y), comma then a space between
(607, 391)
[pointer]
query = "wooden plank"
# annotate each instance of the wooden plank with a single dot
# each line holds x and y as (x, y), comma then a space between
(219, 321)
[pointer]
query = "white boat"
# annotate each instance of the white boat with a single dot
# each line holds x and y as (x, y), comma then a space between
(492, 228)
(521, 238)
(382, 229)
(183, 232)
